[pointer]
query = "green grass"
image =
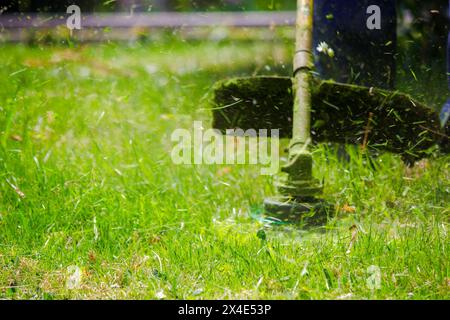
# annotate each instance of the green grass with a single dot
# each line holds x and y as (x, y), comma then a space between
(86, 180)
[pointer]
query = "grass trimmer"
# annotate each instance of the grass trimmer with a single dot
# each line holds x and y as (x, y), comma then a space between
(307, 109)
(299, 189)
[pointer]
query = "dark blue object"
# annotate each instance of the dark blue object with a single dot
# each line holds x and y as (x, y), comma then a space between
(361, 56)
(445, 112)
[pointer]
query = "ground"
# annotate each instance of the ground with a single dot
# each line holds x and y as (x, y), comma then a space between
(91, 205)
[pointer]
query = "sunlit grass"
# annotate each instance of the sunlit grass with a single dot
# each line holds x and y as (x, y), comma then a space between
(86, 181)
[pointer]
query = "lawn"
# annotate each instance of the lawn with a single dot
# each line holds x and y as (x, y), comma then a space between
(91, 205)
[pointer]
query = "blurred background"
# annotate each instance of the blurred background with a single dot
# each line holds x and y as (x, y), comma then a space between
(416, 6)
(421, 40)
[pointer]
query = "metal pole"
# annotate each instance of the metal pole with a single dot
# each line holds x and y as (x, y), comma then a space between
(303, 63)
(300, 183)
(299, 189)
